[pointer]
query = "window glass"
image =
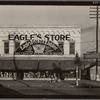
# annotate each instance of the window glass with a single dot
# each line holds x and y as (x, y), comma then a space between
(61, 45)
(72, 47)
(6, 47)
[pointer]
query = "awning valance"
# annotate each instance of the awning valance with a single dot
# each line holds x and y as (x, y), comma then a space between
(7, 65)
(48, 64)
(67, 65)
(26, 64)
(18, 64)
(32, 65)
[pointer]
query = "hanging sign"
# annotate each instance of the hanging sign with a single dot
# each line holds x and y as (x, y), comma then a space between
(39, 47)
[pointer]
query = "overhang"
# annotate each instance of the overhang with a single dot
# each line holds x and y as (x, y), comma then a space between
(6, 65)
(14, 65)
(48, 64)
(26, 64)
(36, 65)
(67, 65)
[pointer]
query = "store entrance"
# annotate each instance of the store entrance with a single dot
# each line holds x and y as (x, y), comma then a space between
(41, 75)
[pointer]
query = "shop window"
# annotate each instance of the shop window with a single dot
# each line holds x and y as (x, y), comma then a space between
(17, 44)
(6, 47)
(10, 75)
(72, 48)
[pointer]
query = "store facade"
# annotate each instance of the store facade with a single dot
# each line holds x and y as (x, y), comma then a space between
(39, 52)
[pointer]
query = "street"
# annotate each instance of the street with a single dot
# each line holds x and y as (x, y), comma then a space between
(46, 89)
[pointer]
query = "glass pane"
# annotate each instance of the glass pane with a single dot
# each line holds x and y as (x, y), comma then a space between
(72, 48)
(6, 47)
(17, 44)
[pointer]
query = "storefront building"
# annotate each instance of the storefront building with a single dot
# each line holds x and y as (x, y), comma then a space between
(39, 52)
(89, 72)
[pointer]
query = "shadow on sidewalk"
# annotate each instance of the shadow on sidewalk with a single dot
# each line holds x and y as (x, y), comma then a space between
(45, 92)
(7, 92)
(45, 89)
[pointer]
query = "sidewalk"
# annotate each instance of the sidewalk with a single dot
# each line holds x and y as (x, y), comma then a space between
(90, 82)
(41, 82)
(64, 89)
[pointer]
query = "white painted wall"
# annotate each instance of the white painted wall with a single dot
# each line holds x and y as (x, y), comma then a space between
(74, 31)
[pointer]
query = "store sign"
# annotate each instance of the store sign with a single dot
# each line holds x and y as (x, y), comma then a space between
(52, 37)
(39, 46)
(39, 43)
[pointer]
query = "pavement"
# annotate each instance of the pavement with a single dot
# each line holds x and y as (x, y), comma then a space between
(46, 89)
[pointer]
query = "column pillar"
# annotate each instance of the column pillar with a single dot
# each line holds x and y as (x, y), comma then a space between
(66, 47)
(11, 47)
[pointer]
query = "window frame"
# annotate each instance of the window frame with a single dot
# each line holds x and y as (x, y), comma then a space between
(72, 49)
(6, 47)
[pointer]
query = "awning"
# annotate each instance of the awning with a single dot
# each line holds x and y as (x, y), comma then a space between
(92, 64)
(33, 65)
(63, 65)
(26, 64)
(67, 65)
(18, 64)
(7, 65)
(48, 64)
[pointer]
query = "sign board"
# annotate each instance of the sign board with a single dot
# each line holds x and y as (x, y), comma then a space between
(40, 46)
(43, 40)
(91, 55)
(41, 43)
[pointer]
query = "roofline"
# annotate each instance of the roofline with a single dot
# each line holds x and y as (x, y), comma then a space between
(42, 26)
